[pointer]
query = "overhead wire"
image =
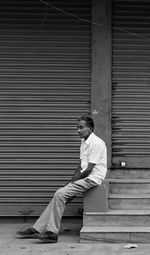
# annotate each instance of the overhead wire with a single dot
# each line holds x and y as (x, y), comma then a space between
(90, 21)
(45, 16)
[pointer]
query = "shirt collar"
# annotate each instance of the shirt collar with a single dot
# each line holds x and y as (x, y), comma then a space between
(87, 141)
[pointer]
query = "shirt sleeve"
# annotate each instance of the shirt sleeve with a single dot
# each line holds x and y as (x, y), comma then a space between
(97, 153)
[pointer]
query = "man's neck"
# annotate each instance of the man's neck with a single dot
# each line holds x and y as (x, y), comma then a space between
(85, 138)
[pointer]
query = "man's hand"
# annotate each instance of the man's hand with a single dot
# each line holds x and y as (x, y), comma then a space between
(81, 175)
(87, 171)
(76, 177)
(77, 173)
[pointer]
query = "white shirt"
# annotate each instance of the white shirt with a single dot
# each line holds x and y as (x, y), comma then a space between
(93, 150)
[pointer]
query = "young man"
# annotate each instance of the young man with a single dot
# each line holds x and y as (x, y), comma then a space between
(90, 172)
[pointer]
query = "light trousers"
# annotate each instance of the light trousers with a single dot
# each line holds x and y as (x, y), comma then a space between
(50, 219)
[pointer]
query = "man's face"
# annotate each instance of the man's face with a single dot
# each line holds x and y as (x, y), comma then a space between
(83, 130)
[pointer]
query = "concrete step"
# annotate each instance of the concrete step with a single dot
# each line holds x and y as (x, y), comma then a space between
(129, 186)
(115, 235)
(129, 201)
(123, 173)
(117, 218)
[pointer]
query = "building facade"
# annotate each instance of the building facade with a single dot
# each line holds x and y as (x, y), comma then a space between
(58, 61)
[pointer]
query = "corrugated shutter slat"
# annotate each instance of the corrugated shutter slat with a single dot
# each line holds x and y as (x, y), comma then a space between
(44, 87)
(131, 83)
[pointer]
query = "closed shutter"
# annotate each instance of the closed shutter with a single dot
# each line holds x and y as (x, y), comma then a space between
(131, 83)
(44, 87)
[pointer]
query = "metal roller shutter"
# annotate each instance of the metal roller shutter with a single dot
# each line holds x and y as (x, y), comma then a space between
(131, 83)
(44, 87)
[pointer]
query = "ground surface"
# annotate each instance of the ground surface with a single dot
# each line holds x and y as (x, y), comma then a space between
(68, 243)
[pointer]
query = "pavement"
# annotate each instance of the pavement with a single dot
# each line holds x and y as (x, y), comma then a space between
(68, 243)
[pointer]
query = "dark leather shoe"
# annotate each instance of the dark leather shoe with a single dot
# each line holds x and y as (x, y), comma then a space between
(28, 233)
(48, 237)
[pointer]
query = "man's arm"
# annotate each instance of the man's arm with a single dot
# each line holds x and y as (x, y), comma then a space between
(87, 171)
(78, 175)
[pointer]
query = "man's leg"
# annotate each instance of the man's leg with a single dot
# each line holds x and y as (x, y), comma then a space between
(41, 223)
(50, 219)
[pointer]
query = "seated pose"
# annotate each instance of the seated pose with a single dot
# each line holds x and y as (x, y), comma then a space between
(90, 172)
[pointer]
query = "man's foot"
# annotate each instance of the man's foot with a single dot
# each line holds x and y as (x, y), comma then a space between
(48, 237)
(28, 233)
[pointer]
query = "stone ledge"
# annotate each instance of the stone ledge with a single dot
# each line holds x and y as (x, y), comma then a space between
(96, 199)
(115, 234)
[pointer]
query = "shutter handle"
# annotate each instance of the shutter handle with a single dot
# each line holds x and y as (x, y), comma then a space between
(25, 211)
(123, 164)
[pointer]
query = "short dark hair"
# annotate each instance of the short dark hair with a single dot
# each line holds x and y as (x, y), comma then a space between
(89, 121)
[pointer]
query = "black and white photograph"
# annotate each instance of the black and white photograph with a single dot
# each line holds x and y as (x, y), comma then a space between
(74, 127)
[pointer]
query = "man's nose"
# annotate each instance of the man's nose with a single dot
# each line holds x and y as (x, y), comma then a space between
(78, 130)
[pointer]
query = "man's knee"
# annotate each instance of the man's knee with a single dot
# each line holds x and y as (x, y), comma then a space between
(59, 193)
